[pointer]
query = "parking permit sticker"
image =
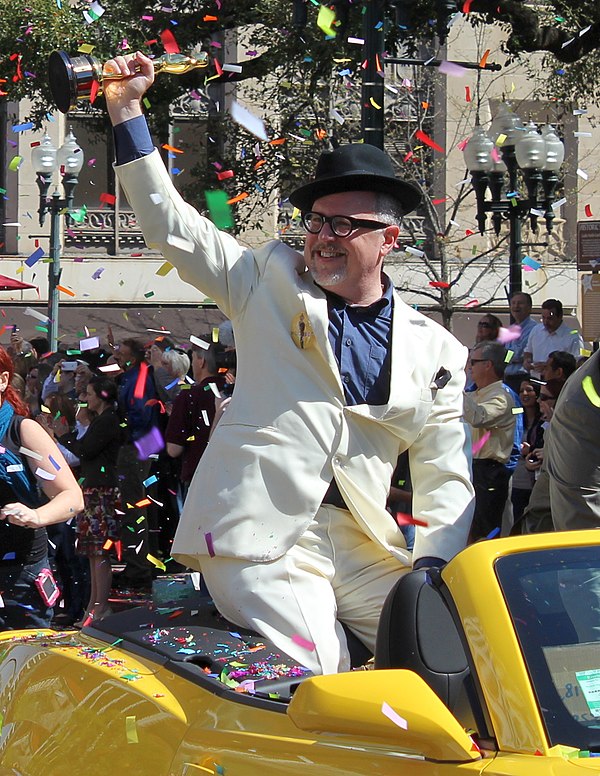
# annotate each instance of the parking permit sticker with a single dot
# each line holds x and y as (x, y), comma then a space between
(589, 681)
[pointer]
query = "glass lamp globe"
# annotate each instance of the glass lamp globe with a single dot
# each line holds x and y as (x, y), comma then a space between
(530, 149)
(506, 122)
(555, 148)
(43, 157)
(70, 156)
(478, 152)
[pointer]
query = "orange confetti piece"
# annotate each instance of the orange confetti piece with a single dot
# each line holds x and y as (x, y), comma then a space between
(94, 91)
(209, 18)
(239, 198)
(403, 519)
(66, 291)
(260, 163)
(107, 544)
(218, 67)
(484, 59)
(278, 141)
(171, 148)
(144, 502)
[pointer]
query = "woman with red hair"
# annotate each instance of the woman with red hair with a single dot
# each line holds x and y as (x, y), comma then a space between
(37, 488)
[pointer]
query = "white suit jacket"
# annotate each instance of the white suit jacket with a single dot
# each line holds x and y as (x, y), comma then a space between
(288, 431)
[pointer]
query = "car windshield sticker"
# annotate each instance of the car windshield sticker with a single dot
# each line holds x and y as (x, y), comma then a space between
(589, 681)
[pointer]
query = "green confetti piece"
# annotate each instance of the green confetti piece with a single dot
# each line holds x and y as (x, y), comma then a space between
(15, 163)
(590, 391)
(219, 209)
(148, 294)
(147, 103)
(508, 357)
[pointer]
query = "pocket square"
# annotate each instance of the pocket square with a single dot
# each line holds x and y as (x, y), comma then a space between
(441, 379)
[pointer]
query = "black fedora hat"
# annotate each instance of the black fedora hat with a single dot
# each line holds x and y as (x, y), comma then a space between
(355, 167)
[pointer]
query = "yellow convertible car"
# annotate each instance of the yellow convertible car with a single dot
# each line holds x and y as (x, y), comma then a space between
(491, 665)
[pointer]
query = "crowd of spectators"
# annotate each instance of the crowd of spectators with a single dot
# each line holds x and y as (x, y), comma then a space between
(132, 420)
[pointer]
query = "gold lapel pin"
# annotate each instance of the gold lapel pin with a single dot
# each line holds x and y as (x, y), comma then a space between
(302, 332)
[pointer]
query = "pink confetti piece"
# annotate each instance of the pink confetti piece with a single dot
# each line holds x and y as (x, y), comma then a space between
(480, 442)
(209, 544)
(508, 335)
(392, 715)
(304, 643)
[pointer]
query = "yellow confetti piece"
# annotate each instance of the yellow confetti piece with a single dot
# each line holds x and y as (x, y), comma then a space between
(131, 730)
(508, 357)
(501, 139)
(517, 410)
(374, 104)
(215, 334)
(585, 353)
(156, 562)
(86, 48)
(325, 20)
(15, 163)
(164, 269)
(590, 391)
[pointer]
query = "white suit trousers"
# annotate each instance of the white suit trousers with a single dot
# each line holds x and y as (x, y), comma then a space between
(335, 573)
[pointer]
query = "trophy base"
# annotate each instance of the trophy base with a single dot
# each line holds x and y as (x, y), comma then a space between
(72, 79)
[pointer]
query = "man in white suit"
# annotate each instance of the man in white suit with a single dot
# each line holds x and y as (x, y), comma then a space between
(336, 376)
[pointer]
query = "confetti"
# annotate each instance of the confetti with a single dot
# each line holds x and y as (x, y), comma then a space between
(392, 715)
(509, 334)
(452, 69)
(94, 12)
(30, 453)
(588, 211)
(150, 444)
(209, 544)
(156, 198)
(402, 518)
(170, 44)
(325, 20)
(478, 445)
(199, 342)
(590, 390)
(131, 730)
(44, 475)
(219, 209)
(304, 643)
(90, 343)
(249, 121)
(424, 138)
(35, 257)
(34, 314)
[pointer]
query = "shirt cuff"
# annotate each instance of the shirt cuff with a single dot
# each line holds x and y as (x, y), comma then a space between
(132, 140)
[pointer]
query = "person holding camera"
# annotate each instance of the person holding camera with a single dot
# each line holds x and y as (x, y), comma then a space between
(37, 489)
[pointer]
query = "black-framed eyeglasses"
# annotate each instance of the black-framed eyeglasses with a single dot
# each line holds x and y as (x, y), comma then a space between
(341, 226)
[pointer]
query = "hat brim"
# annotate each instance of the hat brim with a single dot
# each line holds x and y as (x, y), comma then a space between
(408, 195)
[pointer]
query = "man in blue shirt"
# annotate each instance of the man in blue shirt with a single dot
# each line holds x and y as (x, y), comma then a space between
(336, 377)
(520, 309)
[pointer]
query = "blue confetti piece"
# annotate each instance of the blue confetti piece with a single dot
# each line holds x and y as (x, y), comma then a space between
(22, 127)
(529, 262)
(9, 556)
(150, 481)
(35, 257)
(492, 534)
(54, 463)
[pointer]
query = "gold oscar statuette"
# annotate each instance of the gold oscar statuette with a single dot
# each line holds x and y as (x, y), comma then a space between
(81, 77)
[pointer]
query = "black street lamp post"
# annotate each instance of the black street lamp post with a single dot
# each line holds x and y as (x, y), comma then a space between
(495, 160)
(69, 161)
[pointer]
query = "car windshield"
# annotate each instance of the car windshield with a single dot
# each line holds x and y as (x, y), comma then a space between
(554, 601)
